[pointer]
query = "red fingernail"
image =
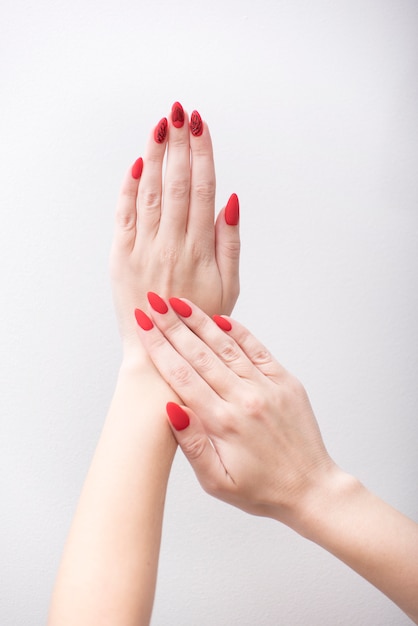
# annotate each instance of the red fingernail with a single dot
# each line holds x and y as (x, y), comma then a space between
(223, 323)
(143, 320)
(232, 210)
(160, 131)
(177, 115)
(156, 302)
(180, 307)
(177, 416)
(137, 168)
(196, 124)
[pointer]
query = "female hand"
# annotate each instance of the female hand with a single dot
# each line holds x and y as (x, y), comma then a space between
(251, 436)
(248, 430)
(165, 234)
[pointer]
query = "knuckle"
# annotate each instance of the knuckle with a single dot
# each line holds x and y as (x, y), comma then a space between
(232, 249)
(205, 191)
(193, 447)
(150, 200)
(126, 220)
(203, 361)
(229, 352)
(254, 404)
(261, 357)
(178, 189)
(180, 376)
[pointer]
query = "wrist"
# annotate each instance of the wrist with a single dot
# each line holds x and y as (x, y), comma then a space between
(322, 506)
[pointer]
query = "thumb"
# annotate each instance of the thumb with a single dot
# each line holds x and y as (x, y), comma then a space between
(197, 448)
(228, 245)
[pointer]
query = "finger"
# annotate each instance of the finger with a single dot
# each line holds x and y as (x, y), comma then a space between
(177, 176)
(150, 188)
(227, 250)
(197, 448)
(256, 352)
(175, 370)
(199, 356)
(125, 218)
(203, 181)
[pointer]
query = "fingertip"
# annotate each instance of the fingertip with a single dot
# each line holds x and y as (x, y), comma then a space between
(143, 320)
(160, 131)
(177, 416)
(180, 307)
(196, 124)
(177, 115)
(222, 322)
(137, 168)
(231, 213)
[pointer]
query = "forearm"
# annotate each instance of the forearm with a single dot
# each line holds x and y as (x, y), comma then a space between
(109, 566)
(367, 534)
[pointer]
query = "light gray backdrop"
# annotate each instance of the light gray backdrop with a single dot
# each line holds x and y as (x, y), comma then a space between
(313, 109)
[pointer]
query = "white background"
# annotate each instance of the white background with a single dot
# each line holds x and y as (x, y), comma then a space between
(313, 107)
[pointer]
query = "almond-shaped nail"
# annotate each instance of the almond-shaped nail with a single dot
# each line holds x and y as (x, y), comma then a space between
(222, 322)
(156, 302)
(232, 210)
(160, 131)
(137, 167)
(143, 320)
(177, 115)
(180, 307)
(196, 124)
(177, 416)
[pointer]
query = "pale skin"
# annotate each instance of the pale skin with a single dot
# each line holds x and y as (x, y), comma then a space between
(257, 411)
(166, 238)
(249, 432)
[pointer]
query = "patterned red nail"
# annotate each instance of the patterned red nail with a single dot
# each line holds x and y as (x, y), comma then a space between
(160, 131)
(143, 320)
(223, 323)
(196, 124)
(137, 168)
(177, 416)
(156, 302)
(177, 115)
(180, 307)
(232, 210)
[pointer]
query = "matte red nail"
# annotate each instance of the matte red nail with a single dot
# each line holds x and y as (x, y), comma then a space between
(177, 115)
(156, 302)
(232, 210)
(143, 320)
(137, 168)
(160, 131)
(196, 124)
(223, 323)
(177, 416)
(180, 307)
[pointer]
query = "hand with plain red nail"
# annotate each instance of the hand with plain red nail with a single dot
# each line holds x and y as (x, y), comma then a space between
(166, 236)
(249, 432)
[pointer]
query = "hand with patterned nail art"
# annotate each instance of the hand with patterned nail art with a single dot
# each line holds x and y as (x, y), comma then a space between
(166, 239)
(249, 432)
(166, 236)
